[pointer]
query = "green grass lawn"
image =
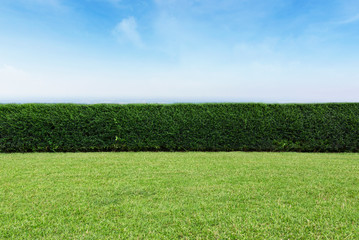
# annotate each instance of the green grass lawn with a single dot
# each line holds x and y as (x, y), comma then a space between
(179, 195)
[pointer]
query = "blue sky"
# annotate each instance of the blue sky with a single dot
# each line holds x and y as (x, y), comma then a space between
(179, 50)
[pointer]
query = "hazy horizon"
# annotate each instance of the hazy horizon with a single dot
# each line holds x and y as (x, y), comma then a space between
(157, 101)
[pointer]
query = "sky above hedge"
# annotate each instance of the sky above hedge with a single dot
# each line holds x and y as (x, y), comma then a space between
(179, 50)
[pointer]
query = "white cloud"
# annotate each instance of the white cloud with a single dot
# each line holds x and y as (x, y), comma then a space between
(10, 72)
(126, 30)
(350, 20)
(13, 81)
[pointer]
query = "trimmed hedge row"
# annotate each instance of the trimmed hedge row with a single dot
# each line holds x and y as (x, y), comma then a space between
(180, 127)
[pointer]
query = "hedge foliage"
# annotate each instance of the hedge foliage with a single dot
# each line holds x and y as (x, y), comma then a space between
(180, 127)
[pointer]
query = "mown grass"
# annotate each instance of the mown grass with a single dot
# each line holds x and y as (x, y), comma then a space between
(179, 195)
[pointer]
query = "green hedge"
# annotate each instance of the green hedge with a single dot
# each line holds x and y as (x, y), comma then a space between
(180, 127)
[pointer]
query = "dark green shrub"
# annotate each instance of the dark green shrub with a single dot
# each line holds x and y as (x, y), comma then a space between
(180, 127)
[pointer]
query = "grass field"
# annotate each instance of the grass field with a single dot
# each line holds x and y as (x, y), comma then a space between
(179, 195)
